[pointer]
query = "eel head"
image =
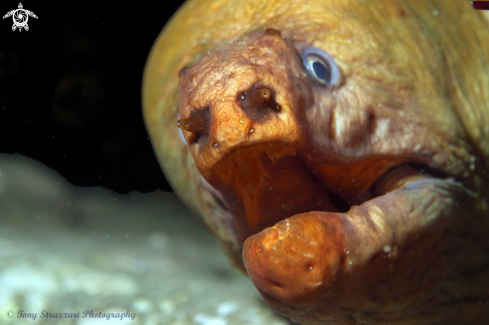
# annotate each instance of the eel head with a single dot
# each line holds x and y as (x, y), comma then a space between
(341, 187)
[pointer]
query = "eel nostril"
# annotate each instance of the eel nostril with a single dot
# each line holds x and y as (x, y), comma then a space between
(257, 101)
(265, 94)
(197, 123)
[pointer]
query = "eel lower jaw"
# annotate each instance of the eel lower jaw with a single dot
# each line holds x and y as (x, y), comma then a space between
(383, 256)
(398, 256)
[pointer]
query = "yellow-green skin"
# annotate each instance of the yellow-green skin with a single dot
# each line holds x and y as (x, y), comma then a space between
(379, 40)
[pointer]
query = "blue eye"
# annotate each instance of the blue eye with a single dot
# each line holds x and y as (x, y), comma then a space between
(320, 66)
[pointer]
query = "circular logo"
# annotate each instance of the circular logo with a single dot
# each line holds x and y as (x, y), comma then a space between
(20, 18)
(10, 314)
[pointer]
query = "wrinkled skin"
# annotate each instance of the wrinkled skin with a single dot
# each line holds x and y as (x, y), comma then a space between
(362, 203)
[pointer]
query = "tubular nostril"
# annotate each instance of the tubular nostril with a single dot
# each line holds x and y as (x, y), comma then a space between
(257, 101)
(198, 123)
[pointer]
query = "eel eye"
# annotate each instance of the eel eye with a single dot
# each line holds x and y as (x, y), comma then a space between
(320, 66)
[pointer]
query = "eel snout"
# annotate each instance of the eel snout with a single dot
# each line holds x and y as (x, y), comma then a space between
(326, 239)
(236, 99)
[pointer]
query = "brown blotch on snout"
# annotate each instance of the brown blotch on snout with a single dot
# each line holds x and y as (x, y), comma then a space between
(198, 123)
(257, 101)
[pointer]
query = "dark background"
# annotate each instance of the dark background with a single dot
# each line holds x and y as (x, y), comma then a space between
(70, 90)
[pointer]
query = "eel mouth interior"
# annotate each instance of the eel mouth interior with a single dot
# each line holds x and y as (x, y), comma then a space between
(266, 183)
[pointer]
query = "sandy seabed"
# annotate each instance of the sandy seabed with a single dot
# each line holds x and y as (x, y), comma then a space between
(95, 253)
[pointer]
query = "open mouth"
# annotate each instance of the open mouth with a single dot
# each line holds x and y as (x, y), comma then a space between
(267, 183)
(262, 181)
(308, 226)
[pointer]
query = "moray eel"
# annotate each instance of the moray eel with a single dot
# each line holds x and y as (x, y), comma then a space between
(337, 149)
